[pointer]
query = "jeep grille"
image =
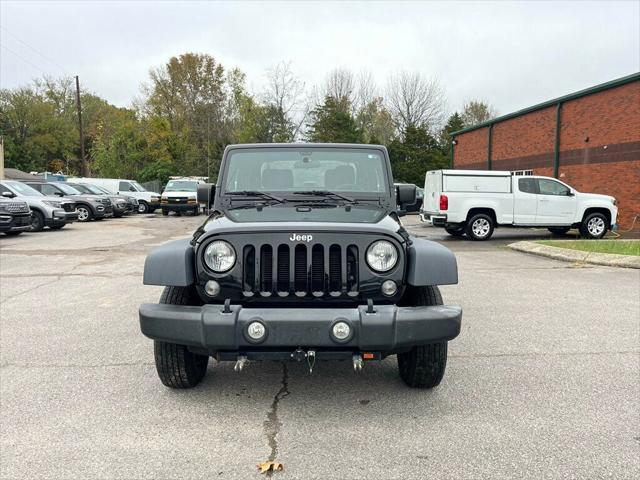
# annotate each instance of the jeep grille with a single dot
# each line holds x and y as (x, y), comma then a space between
(300, 270)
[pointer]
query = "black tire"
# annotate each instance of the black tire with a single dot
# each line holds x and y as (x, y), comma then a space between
(143, 207)
(479, 227)
(165, 212)
(424, 365)
(84, 213)
(455, 231)
(57, 227)
(196, 211)
(178, 367)
(37, 221)
(559, 231)
(594, 226)
(12, 234)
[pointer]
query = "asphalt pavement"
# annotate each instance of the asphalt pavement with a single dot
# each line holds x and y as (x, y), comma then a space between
(543, 382)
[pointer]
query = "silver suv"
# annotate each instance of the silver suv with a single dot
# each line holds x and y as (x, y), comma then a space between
(52, 212)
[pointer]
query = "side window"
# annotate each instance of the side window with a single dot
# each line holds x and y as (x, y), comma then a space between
(48, 189)
(551, 187)
(527, 185)
(36, 186)
(4, 189)
(125, 187)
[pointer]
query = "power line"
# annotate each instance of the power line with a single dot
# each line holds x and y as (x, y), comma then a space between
(34, 49)
(24, 59)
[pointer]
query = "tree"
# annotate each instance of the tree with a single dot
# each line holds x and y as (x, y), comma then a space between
(454, 124)
(477, 111)
(331, 123)
(286, 112)
(414, 154)
(375, 123)
(340, 86)
(415, 101)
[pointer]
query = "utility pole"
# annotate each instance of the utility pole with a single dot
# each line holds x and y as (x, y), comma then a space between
(84, 171)
(208, 148)
(1, 157)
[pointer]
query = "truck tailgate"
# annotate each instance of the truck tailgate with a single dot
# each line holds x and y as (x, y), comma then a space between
(432, 190)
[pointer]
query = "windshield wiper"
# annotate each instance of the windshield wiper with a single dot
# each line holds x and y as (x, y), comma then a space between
(326, 193)
(255, 193)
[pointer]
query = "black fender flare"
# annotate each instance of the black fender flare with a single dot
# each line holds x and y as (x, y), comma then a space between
(171, 264)
(429, 263)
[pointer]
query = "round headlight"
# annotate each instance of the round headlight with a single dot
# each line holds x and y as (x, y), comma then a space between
(382, 256)
(341, 330)
(219, 256)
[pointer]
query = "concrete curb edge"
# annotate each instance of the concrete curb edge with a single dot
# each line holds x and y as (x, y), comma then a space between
(568, 255)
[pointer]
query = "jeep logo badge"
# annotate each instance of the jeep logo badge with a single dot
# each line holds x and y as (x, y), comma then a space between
(300, 238)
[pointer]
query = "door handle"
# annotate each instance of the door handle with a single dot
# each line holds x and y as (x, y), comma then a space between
(544, 200)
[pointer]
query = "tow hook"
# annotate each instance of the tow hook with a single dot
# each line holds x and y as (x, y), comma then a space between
(299, 355)
(357, 363)
(240, 363)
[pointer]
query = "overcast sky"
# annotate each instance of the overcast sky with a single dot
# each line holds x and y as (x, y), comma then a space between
(510, 54)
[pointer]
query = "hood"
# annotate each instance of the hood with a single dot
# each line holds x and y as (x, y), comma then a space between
(223, 224)
(596, 196)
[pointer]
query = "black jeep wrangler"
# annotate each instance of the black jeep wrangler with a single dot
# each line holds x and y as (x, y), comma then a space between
(303, 257)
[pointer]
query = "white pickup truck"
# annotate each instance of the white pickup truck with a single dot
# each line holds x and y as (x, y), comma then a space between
(475, 202)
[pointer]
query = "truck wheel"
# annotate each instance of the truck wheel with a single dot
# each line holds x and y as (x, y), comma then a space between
(455, 231)
(37, 221)
(12, 234)
(559, 231)
(178, 367)
(594, 226)
(165, 212)
(196, 211)
(143, 207)
(479, 227)
(423, 366)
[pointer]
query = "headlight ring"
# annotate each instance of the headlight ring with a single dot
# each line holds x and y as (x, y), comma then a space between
(219, 256)
(382, 256)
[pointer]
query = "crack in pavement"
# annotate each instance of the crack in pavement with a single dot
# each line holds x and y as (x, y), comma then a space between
(31, 289)
(272, 424)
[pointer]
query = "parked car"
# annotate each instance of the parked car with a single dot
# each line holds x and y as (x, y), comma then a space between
(474, 203)
(52, 212)
(132, 202)
(15, 216)
(180, 195)
(89, 207)
(306, 259)
(148, 202)
(119, 203)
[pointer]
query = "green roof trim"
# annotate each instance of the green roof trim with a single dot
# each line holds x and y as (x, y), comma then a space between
(634, 77)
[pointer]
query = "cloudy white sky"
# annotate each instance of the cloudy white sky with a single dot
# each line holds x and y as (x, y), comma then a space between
(511, 54)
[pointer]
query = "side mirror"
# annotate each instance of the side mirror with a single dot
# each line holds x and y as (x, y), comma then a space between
(206, 194)
(406, 194)
(571, 193)
(8, 194)
(59, 193)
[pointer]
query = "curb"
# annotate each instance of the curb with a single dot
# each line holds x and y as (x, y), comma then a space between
(568, 255)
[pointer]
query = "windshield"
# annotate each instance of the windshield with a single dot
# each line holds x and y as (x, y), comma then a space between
(93, 189)
(138, 186)
(67, 189)
(23, 189)
(306, 169)
(181, 186)
(81, 188)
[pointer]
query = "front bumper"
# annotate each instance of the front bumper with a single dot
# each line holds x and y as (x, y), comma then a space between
(19, 223)
(387, 329)
(179, 207)
(61, 217)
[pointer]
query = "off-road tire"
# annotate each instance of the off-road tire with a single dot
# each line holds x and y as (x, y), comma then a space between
(478, 222)
(559, 231)
(424, 365)
(37, 221)
(455, 231)
(586, 229)
(178, 367)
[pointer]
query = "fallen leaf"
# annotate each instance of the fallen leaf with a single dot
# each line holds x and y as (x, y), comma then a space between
(270, 466)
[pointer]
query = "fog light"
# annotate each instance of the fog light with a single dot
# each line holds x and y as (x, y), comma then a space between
(389, 288)
(256, 330)
(341, 330)
(212, 288)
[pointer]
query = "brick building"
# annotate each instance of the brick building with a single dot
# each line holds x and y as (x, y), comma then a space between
(589, 139)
